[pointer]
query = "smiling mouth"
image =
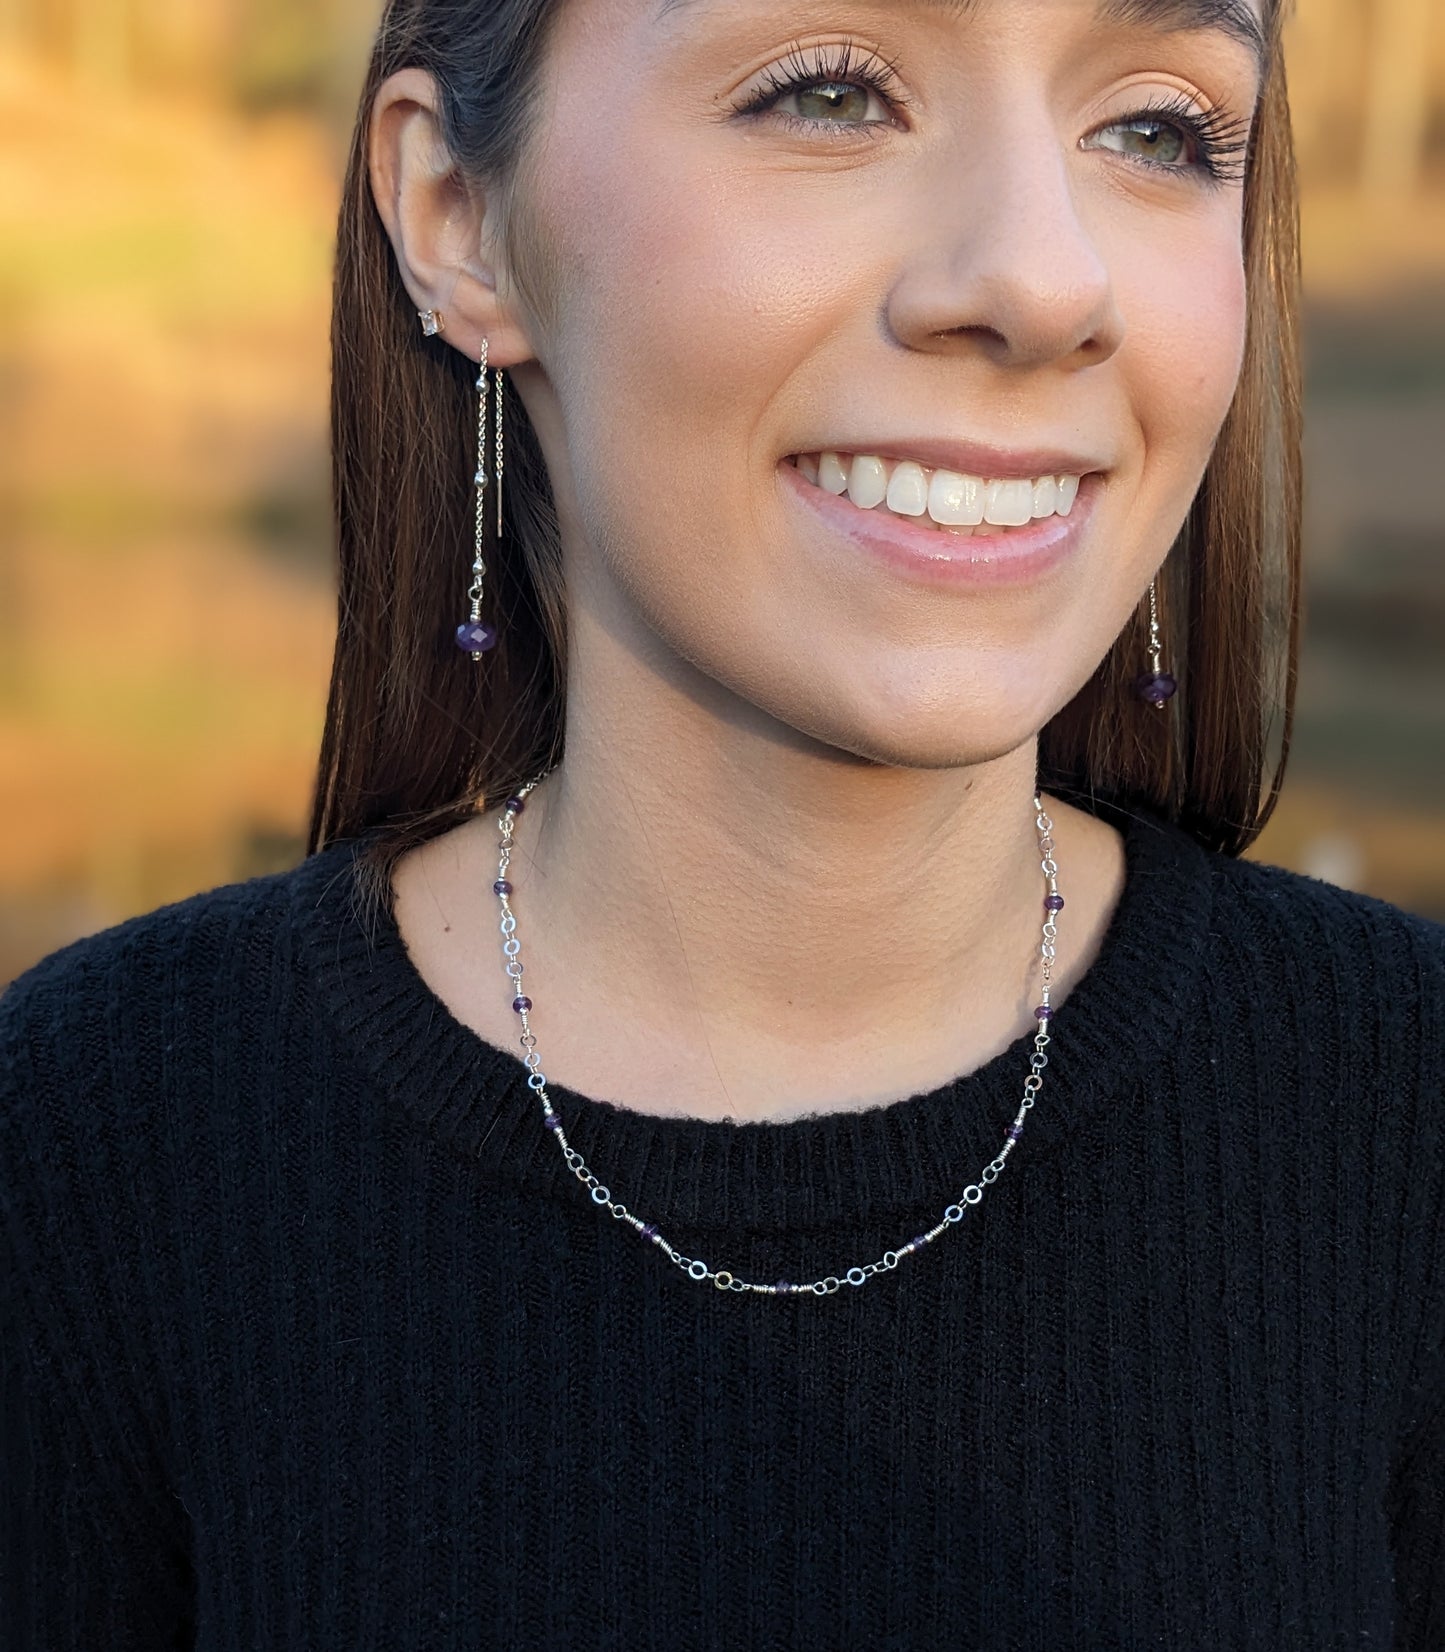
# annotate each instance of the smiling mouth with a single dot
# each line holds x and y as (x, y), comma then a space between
(967, 507)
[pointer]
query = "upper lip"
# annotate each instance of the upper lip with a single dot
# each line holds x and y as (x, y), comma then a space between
(970, 458)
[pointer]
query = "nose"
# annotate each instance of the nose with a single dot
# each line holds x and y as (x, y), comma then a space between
(1004, 263)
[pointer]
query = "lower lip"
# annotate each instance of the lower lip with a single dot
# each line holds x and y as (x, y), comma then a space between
(931, 556)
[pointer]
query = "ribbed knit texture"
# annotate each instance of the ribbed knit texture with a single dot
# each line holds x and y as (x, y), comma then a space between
(311, 1340)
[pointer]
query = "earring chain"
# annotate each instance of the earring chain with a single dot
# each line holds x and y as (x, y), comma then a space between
(1155, 645)
(479, 567)
(498, 445)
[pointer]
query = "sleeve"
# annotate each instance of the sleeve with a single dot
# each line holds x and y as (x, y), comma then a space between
(94, 1540)
(1418, 1527)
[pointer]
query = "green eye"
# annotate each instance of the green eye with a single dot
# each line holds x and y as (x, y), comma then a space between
(1158, 141)
(823, 100)
(1207, 145)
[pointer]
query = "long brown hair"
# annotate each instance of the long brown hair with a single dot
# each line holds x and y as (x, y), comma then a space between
(416, 738)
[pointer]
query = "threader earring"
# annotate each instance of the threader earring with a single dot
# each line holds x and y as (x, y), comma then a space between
(474, 636)
(1154, 686)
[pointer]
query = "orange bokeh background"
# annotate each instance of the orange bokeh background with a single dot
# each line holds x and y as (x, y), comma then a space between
(169, 173)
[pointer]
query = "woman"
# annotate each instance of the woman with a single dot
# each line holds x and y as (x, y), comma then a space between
(874, 618)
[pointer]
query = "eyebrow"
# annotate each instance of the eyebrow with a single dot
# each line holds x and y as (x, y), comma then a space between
(1233, 18)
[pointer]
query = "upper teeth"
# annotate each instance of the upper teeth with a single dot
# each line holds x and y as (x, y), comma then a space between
(946, 496)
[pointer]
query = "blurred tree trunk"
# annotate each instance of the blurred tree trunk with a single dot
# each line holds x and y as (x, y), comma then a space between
(1397, 94)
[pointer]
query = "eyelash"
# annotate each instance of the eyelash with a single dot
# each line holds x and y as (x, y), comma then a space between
(877, 75)
(1220, 139)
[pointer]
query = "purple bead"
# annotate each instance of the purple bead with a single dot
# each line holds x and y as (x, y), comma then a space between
(1043, 1010)
(553, 1122)
(920, 1242)
(1015, 1131)
(475, 637)
(501, 887)
(784, 1285)
(649, 1232)
(1054, 903)
(515, 805)
(521, 1003)
(1155, 689)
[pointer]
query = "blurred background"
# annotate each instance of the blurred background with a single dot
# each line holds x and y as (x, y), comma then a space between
(169, 173)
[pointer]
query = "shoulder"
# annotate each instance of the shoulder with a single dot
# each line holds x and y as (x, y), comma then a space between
(147, 1075)
(1271, 909)
(1344, 994)
(111, 1027)
(1266, 942)
(1347, 981)
(152, 961)
(1284, 975)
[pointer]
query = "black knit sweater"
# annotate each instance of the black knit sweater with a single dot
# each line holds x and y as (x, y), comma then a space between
(311, 1340)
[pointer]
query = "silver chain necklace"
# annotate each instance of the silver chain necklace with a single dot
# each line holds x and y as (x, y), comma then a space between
(692, 1266)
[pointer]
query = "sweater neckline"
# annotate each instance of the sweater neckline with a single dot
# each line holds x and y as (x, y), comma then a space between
(916, 1152)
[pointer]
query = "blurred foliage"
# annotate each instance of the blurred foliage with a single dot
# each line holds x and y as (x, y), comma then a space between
(287, 56)
(301, 54)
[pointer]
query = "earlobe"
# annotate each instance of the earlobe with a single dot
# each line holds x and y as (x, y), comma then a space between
(435, 220)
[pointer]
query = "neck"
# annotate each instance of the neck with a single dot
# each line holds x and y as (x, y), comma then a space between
(728, 885)
(756, 878)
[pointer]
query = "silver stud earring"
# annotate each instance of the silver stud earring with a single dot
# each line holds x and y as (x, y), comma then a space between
(1155, 685)
(474, 636)
(432, 322)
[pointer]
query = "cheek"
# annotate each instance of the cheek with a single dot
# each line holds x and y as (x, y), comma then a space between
(693, 297)
(691, 320)
(1185, 311)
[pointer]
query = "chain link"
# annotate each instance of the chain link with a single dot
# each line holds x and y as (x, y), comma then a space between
(479, 567)
(497, 444)
(1155, 645)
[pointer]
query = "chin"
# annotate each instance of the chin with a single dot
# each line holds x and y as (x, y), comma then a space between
(934, 730)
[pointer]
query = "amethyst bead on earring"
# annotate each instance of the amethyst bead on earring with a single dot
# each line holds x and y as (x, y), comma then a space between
(1154, 686)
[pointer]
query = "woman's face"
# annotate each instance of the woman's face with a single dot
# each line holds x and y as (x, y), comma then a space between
(904, 231)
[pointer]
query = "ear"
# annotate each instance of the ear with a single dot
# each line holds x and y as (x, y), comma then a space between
(438, 222)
